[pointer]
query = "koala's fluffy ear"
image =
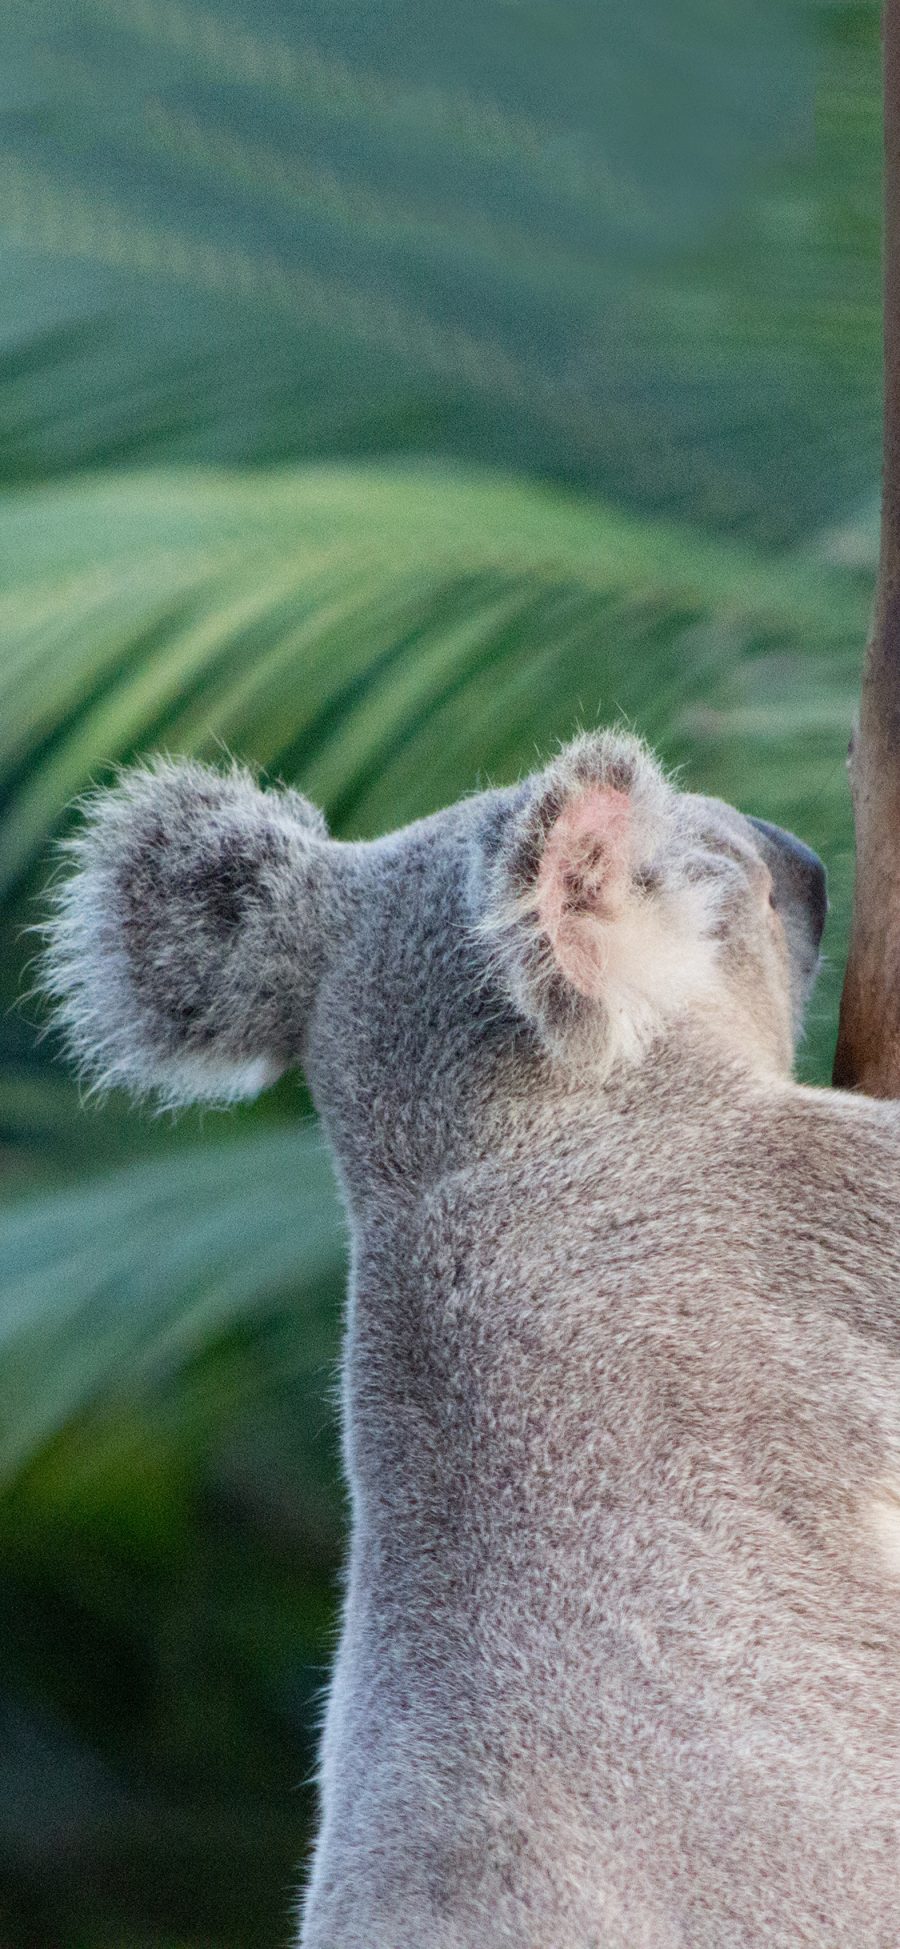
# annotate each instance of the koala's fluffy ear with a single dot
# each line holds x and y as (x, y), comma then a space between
(187, 944)
(598, 931)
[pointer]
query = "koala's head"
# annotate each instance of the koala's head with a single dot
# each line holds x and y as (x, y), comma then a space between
(212, 933)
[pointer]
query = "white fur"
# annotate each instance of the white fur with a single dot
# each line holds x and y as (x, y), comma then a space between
(884, 1526)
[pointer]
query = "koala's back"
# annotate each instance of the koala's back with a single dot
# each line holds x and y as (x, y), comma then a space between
(621, 1661)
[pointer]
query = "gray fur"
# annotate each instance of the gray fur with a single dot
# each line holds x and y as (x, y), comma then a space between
(620, 1664)
(174, 945)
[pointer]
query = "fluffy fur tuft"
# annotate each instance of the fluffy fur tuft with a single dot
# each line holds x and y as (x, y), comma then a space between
(184, 948)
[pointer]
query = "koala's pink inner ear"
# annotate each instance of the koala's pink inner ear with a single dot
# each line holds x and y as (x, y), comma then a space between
(583, 880)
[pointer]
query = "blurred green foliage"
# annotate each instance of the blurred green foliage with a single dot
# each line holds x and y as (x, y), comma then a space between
(383, 391)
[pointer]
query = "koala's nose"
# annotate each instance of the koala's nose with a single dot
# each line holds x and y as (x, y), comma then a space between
(799, 868)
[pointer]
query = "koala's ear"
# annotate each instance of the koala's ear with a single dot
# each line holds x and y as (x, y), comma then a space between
(186, 946)
(597, 931)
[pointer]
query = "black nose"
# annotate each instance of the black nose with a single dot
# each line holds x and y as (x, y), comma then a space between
(797, 870)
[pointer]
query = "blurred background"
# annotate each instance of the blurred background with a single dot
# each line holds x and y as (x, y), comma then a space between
(384, 391)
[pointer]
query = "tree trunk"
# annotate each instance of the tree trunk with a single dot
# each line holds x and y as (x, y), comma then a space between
(868, 1050)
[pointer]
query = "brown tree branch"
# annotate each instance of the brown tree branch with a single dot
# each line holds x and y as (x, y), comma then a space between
(868, 1051)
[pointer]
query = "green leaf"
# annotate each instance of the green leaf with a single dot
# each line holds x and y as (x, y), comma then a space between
(579, 242)
(112, 1286)
(382, 634)
(388, 637)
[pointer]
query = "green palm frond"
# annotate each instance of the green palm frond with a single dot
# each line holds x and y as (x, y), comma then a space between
(250, 240)
(104, 1289)
(391, 636)
(387, 635)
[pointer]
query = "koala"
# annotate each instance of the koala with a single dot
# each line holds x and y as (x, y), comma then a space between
(620, 1657)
